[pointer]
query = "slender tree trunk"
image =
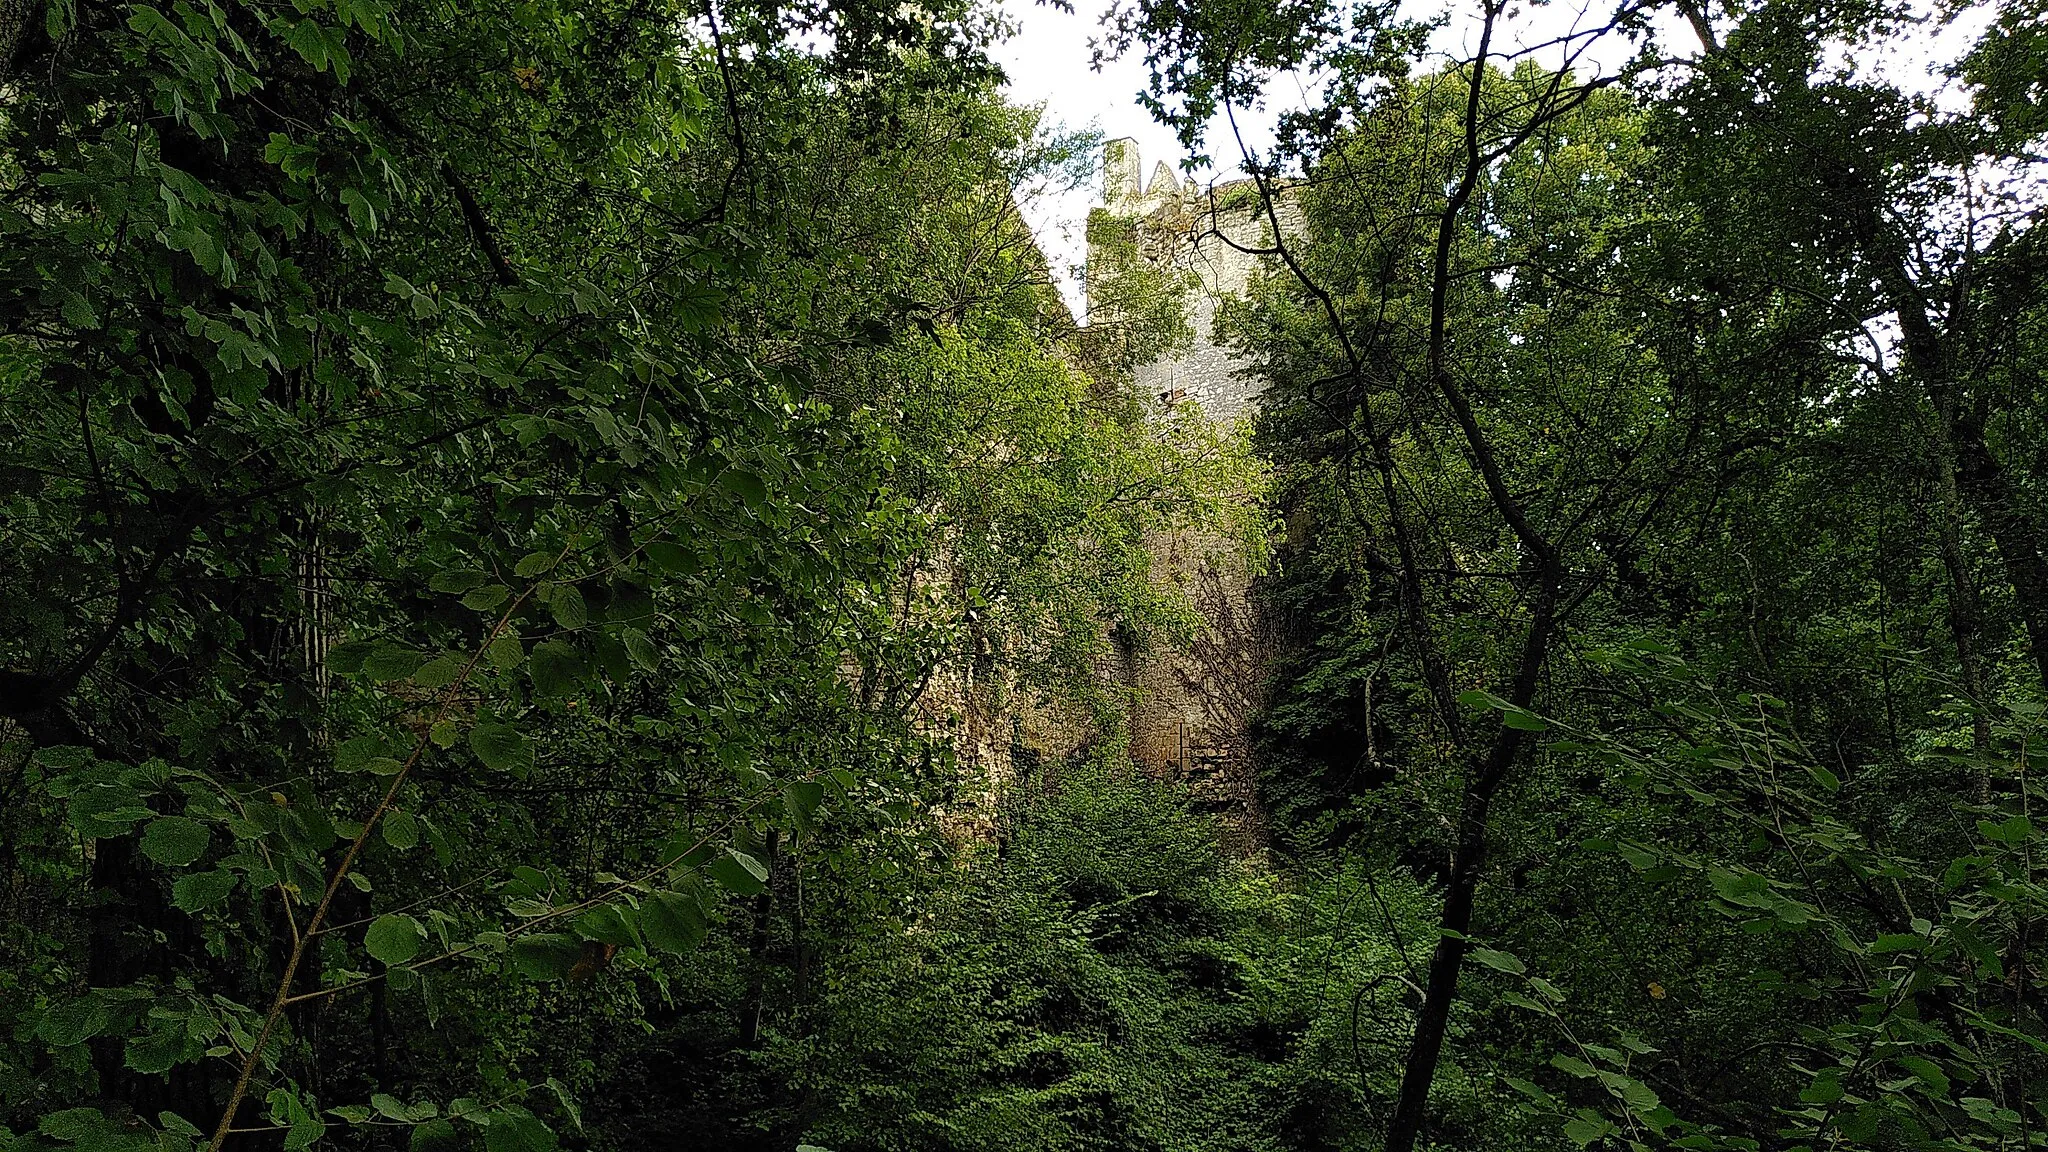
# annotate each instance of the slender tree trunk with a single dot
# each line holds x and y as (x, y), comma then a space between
(2016, 533)
(1482, 784)
(1965, 611)
(1488, 771)
(757, 952)
(1969, 465)
(1432, 1023)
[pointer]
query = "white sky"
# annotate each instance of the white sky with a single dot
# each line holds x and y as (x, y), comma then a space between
(1048, 63)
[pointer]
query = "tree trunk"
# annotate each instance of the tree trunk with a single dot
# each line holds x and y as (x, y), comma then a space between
(757, 952)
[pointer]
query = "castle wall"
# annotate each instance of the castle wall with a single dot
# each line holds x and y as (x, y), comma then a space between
(1190, 705)
(1214, 234)
(1192, 708)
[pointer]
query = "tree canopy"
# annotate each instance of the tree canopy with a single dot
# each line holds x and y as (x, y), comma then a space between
(570, 580)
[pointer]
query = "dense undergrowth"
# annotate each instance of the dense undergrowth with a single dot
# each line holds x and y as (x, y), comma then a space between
(1103, 977)
(523, 523)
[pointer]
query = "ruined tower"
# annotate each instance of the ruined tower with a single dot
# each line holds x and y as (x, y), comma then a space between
(1213, 233)
(1191, 709)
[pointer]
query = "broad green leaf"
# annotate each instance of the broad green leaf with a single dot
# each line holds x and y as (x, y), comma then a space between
(567, 1101)
(346, 659)
(739, 873)
(1480, 701)
(161, 1049)
(1528, 1089)
(309, 40)
(1582, 1131)
(350, 755)
(506, 653)
(565, 603)
(1636, 1094)
(433, 1136)
(488, 598)
(64, 757)
(1499, 961)
(400, 829)
(803, 798)
(2011, 831)
(1638, 857)
(387, 662)
(201, 890)
(1825, 1089)
(1744, 888)
(74, 1022)
(394, 938)
(74, 1123)
(1512, 715)
(556, 668)
(174, 841)
(672, 922)
(546, 955)
(298, 161)
(103, 810)
(308, 1132)
(302, 1127)
(501, 747)
(514, 1129)
(1929, 1074)
(1573, 1065)
(673, 557)
(456, 580)
(438, 672)
(640, 649)
(607, 925)
(746, 485)
(629, 603)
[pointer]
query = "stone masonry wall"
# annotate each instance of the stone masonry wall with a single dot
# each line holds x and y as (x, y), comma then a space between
(1192, 709)
(1213, 233)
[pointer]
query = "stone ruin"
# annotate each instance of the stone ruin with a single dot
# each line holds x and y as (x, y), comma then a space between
(1189, 710)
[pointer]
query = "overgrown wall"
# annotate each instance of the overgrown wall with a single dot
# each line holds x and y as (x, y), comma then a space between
(1192, 708)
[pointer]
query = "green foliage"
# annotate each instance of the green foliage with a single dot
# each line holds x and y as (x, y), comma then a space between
(506, 508)
(468, 471)
(1104, 977)
(1575, 382)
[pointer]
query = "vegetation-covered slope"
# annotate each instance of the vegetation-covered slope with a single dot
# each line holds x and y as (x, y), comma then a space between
(511, 510)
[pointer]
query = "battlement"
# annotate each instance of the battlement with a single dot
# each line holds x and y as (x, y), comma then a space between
(1205, 232)
(1122, 192)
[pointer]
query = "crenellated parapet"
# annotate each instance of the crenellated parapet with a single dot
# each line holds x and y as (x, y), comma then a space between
(1212, 235)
